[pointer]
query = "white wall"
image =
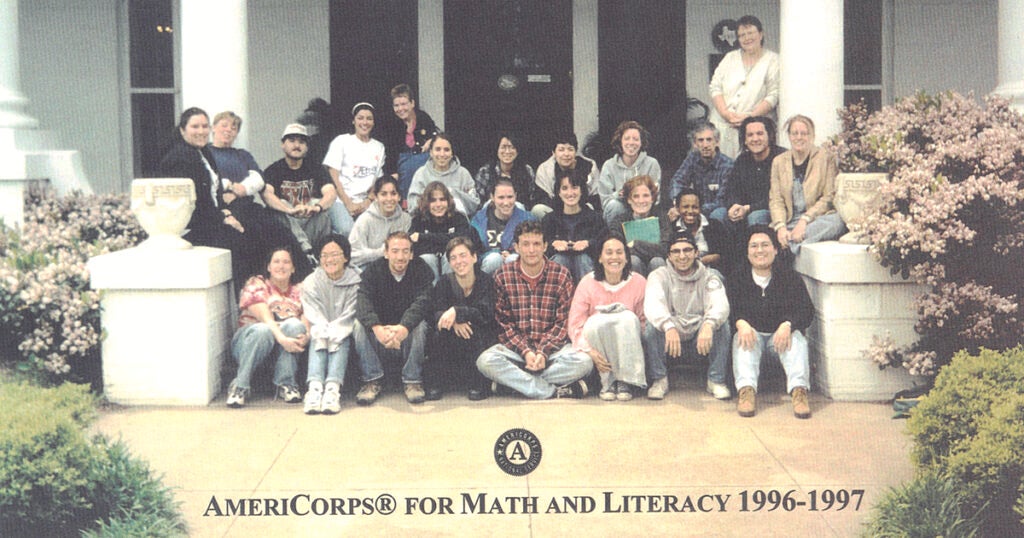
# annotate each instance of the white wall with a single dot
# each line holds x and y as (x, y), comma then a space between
(701, 18)
(70, 74)
(289, 64)
(945, 44)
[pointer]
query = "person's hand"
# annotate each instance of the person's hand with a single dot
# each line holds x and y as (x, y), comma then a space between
(463, 330)
(600, 362)
(447, 320)
(383, 334)
(239, 190)
(535, 362)
(505, 254)
(354, 208)
(230, 220)
(704, 338)
(673, 345)
(560, 245)
(745, 335)
(414, 237)
(228, 197)
(736, 213)
(784, 235)
(736, 118)
(580, 246)
(398, 335)
(783, 337)
(673, 214)
(799, 232)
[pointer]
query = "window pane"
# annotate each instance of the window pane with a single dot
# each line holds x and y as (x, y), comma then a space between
(152, 130)
(872, 98)
(152, 43)
(862, 26)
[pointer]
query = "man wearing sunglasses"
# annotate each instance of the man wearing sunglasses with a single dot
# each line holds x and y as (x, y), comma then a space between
(687, 313)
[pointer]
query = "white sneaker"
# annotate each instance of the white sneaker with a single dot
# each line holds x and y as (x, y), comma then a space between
(719, 390)
(311, 405)
(658, 389)
(332, 400)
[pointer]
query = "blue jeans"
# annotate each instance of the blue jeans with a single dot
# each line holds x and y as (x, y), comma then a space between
(614, 209)
(328, 366)
(438, 263)
(578, 263)
(491, 261)
(254, 344)
(371, 351)
(824, 228)
(645, 268)
(718, 357)
(746, 364)
(501, 364)
(341, 220)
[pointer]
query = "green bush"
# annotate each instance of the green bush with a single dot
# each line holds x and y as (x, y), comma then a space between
(927, 507)
(970, 428)
(55, 481)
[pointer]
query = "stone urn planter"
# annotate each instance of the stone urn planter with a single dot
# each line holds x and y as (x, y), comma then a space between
(857, 197)
(164, 206)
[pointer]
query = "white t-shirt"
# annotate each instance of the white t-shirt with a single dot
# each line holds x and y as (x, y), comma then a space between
(358, 164)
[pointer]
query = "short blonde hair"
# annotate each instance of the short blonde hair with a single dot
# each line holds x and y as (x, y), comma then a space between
(236, 120)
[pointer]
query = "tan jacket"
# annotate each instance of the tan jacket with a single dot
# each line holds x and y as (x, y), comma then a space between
(819, 186)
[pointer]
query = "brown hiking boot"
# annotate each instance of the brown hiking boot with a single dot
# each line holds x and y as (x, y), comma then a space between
(747, 404)
(368, 393)
(801, 408)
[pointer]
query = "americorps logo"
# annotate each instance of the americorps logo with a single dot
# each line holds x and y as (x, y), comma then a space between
(517, 452)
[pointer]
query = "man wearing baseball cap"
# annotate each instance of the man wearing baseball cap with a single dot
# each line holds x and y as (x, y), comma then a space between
(687, 313)
(299, 192)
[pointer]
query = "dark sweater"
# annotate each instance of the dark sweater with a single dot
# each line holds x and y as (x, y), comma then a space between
(477, 308)
(394, 138)
(590, 227)
(785, 299)
(749, 181)
(434, 235)
(382, 300)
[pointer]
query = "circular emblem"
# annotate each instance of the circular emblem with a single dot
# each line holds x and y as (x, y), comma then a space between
(517, 452)
(724, 37)
(508, 82)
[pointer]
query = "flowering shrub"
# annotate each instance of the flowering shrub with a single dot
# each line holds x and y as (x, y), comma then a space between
(49, 318)
(949, 217)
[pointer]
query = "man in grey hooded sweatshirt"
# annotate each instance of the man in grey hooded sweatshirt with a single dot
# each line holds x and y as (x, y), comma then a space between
(687, 313)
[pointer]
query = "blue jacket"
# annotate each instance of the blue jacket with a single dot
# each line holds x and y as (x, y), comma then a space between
(480, 224)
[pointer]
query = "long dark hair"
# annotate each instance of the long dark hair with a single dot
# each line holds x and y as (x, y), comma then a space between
(575, 179)
(596, 254)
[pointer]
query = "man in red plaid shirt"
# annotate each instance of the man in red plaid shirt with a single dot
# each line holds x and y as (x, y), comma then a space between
(534, 355)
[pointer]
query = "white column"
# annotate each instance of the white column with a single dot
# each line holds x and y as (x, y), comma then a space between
(215, 58)
(11, 99)
(584, 68)
(811, 61)
(431, 59)
(1011, 52)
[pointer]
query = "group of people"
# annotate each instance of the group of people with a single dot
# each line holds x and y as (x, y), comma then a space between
(553, 281)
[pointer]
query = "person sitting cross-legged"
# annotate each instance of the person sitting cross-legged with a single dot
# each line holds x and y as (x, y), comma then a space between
(770, 311)
(329, 301)
(687, 313)
(534, 355)
(390, 308)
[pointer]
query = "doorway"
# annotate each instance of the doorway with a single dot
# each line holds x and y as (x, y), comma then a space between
(507, 67)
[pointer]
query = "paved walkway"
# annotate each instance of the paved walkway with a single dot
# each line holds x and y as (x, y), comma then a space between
(607, 468)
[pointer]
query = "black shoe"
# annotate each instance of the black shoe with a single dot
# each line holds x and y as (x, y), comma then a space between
(434, 394)
(476, 395)
(576, 389)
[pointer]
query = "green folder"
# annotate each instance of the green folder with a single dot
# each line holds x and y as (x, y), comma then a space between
(646, 229)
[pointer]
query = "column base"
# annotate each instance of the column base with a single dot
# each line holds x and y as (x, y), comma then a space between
(168, 319)
(855, 299)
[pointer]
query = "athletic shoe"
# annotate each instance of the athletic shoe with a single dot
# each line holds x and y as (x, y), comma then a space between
(719, 390)
(623, 392)
(289, 393)
(332, 400)
(414, 393)
(311, 405)
(658, 389)
(576, 389)
(236, 396)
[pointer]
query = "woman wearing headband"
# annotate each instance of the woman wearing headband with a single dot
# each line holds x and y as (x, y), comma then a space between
(355, 161)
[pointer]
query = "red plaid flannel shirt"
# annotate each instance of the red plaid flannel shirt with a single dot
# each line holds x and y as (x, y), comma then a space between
(533, 319)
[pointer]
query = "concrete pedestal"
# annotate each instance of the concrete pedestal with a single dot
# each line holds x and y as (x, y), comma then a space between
(855, 299)
(168, 317)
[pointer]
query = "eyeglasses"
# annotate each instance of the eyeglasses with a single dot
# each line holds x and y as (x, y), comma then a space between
(684, 250)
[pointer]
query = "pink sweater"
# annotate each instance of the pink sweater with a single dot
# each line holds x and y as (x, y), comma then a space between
(591, 294)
